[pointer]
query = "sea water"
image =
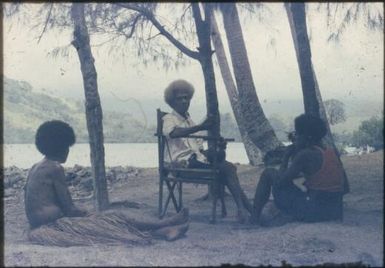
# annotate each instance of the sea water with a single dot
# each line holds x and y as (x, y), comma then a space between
(116, 154)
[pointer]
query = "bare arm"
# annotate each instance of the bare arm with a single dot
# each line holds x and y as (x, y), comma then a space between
(184, 131)
(297, 166)
(289, 153)
(64, 196)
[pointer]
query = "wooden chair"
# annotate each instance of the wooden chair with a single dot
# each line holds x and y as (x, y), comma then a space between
(173, 177)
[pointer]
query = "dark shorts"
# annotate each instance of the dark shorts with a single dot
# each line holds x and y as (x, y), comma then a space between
(312, 206)
(194, 163)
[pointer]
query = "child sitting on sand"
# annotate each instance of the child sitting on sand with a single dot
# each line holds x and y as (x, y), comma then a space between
(49, 206)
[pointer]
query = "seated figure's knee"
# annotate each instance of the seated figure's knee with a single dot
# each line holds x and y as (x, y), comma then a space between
(227, 168)
(269, 174)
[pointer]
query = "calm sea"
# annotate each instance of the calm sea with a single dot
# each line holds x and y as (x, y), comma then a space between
(116, 154)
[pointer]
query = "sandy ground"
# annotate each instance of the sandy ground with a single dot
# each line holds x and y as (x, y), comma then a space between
(359, 238)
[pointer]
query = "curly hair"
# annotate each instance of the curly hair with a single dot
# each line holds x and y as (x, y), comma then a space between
(177, 86)
(53, 137)
(313, 128)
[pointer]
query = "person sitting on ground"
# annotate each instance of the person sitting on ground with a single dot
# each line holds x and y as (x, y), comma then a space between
(189, 152)
(320, 198)
(47, 197)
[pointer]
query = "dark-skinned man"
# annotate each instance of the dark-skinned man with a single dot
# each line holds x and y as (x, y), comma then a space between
(324, 183)
(189, 152)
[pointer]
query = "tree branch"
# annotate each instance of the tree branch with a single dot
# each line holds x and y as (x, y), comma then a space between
(46, 23)
(153, 36)
(133, 25)
(185, 11)
(149, 15)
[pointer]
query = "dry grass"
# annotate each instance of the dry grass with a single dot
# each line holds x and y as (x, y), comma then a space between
(108, 229)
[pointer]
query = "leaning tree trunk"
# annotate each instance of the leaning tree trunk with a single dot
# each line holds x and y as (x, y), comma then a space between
(256, 124)
(252, 151)
(93, 108)
(205, 59)
(311, 93)
(206, 62)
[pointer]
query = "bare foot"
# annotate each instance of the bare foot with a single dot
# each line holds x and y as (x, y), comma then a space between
(171, 233)
(181, 217)
(203, 198)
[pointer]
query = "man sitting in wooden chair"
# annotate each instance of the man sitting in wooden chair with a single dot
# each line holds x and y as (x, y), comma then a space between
(188, 152)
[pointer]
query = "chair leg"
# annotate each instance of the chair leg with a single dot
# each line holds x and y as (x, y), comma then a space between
(171, 196)
(222, 198)
(215, 198)
(180, 196)
(160, 205)
(165, 206)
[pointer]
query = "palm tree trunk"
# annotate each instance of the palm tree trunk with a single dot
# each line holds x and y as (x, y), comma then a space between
(297, 20)
(93, 107)
(256, 124)
(252, 151)
(311, 94)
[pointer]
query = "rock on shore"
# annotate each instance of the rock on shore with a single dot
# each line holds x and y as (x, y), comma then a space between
(79, 178)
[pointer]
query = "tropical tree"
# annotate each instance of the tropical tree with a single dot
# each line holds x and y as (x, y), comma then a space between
(255, 122)
(311, 94)
(339, 15)
(335, 111)
(297, 19)
(62, 16)
(252, 151)
(260, 127)
(203, 29)
(370, 132)
(203, 54)
(94, 114)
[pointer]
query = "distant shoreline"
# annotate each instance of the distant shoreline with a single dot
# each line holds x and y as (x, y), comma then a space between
(108, 142)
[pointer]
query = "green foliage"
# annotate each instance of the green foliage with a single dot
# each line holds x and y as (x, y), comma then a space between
(343, 138)
(340, 15)
(25, 110)
(370, 132)
(335, 111)
(229, 128)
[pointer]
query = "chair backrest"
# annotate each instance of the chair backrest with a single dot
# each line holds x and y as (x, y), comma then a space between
(161, 139)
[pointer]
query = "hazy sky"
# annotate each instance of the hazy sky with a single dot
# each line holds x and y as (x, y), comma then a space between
(351, 69)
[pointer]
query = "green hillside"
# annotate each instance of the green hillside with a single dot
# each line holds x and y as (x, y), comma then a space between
(25, 109)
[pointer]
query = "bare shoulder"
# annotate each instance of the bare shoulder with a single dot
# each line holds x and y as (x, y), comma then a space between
(52, 167)
(307, 153)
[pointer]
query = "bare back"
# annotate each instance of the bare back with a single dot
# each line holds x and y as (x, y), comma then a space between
(46, 193)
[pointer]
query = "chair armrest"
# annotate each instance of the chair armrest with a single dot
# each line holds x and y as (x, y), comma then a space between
(197, 170)
(207, 137)
(200, 137)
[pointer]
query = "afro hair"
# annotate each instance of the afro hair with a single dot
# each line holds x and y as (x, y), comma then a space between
(177, 86)
(53, 137)
(313, 128)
